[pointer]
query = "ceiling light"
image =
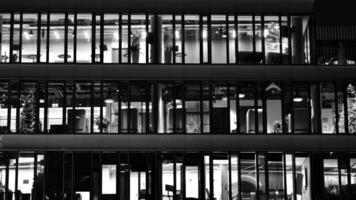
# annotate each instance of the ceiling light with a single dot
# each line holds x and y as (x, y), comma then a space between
(234, 34)
(109, 100)
(42, 100)
(56, 35)
(177, 35)
(205, 34)
(242, 95)
(297, 98)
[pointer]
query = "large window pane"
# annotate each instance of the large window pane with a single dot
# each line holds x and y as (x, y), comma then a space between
(29, 37)
(247, 108)
(84, 38)
(138, 38)
(273, 93)
(302, 177)
(272, 39)
(192, 107)
(248, 176)
(55, 105)
(327, 106)
(218, 39)
(351, 108)
(276, 176)
(245, 39)
(4, 106)
(167, 39)
(56, 38)
(26, 175)
(28, 104)
(111, 38)
(191, 39)
(220, 112)
(221, 177)
(110, 119)
(4, 37)
(301, 108)
(331, 179)
(82, 113)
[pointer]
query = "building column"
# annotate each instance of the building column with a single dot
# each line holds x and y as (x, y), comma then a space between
(156, 45)
(297, 40)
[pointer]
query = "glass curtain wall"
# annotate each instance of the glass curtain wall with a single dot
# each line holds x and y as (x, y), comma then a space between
(130, 38)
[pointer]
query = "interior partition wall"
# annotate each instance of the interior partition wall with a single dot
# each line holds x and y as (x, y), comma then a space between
(177, 107)
(143, 38)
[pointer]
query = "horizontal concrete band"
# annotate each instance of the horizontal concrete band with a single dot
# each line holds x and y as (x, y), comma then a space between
(180, 142)
(196, 6)
(176, 72)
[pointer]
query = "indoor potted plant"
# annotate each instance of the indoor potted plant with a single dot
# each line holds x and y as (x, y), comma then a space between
(135, 47)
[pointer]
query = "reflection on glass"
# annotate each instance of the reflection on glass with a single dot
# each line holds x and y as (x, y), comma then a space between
(351, 108)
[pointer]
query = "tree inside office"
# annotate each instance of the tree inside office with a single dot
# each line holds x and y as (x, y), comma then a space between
(28, 113)
(351, 110)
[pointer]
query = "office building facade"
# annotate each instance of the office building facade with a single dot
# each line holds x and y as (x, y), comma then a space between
(175, 100)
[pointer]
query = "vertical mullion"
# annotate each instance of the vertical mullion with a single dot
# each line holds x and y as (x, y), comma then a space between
(237, 91)
(174, 38)
(20, 37)
(254, 38)
(35, 176)
(183, 38)
(48, 36)
(336, 107)
(289, 40)
(129, 37)
(101, 38)
(17, 172)
(228, 105)
(239, 185)
(64, 105)
(263, 40)
(309, 108)
(147, 46)
(101, 106)
(120, 38)
(280, 41)
(345, 109)
(183, 106)
(174, 107)
(75, 38)
(227, 39)
(230, 187)
(211, 177)
(293, 104)
(211, 108)
(37, 107)
(201, 51)
(236, 39)
(255, 99)
(93, 36)
(264, 109)
(92, 107)
(74, 106)
(45, 118)
(147, 99)
(129, 107)
(284, 176)
(294, 177)
(209, 39)
(119, 108)
(66, 38)
(39, 24)
(12, 22)
(9, 95)
(201, 107)
(257, 176)
(18, 107)
(266, 175)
